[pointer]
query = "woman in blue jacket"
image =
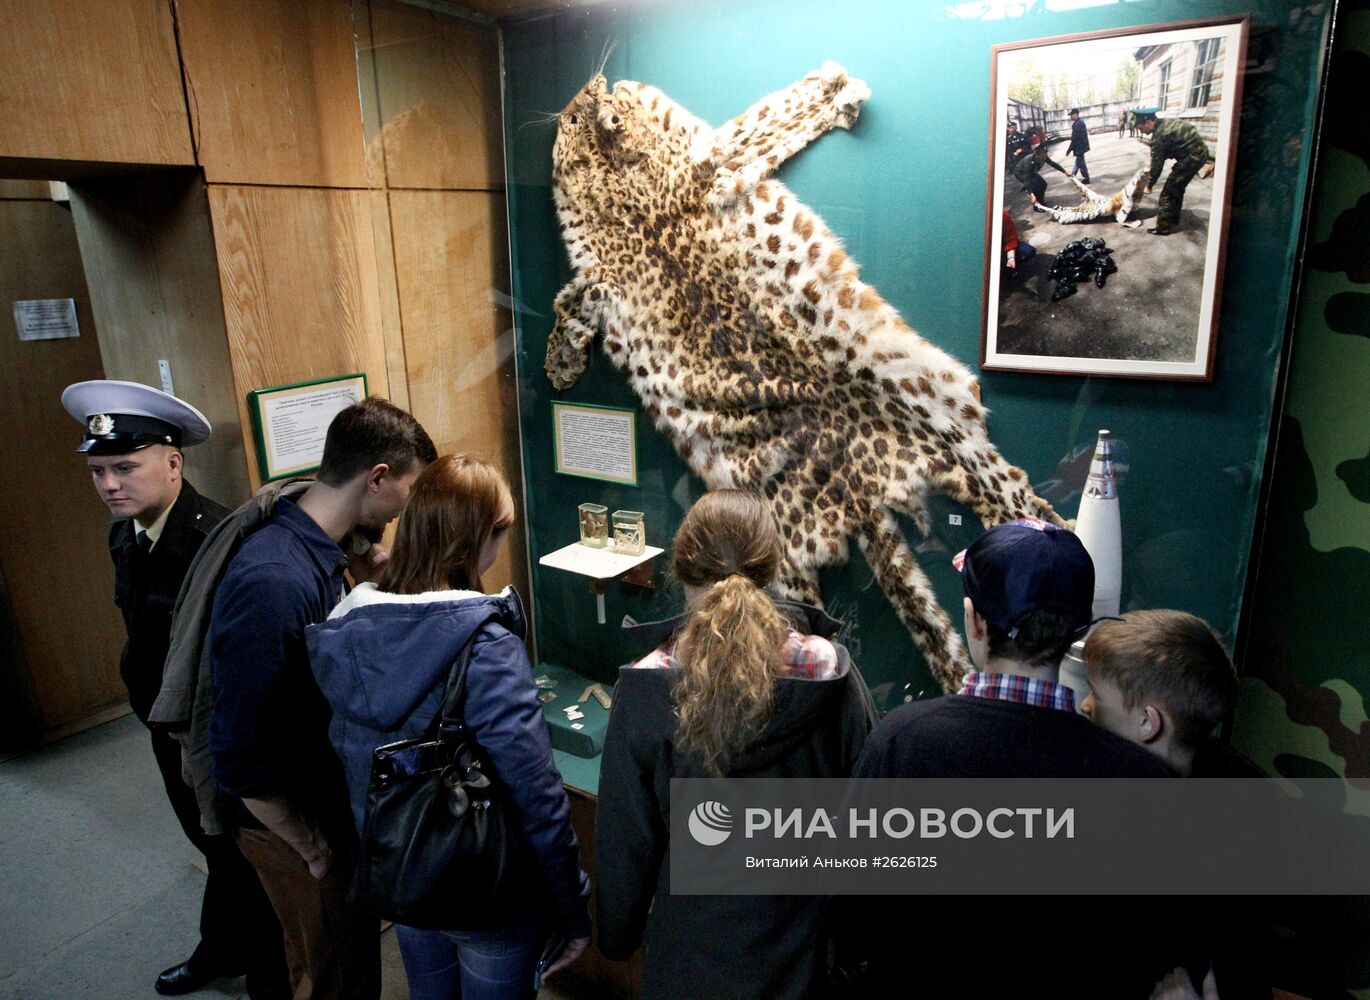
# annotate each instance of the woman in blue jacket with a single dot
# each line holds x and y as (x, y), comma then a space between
(382, 660)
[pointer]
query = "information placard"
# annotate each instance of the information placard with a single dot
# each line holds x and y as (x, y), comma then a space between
(596, 442)
(46, 319)
(291, 422)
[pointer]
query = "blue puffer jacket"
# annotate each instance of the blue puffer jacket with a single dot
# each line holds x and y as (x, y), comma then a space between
(382, 661)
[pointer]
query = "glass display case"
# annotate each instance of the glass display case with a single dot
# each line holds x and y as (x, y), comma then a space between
(888, 194)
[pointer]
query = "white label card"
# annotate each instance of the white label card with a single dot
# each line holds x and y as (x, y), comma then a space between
(596, 442)
(296, 424)
(46, 319)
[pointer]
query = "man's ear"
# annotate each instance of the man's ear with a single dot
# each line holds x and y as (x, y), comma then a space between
(176, 461)
(1153, 723)
(373, 478)
(976, 627)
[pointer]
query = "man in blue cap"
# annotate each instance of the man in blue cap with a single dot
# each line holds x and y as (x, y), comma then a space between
(1029, 589)
(133, 440)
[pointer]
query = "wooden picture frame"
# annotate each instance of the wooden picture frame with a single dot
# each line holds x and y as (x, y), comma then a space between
(1155, 316)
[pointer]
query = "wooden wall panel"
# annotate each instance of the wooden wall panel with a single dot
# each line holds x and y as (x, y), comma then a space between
(91, 80)
(437, 88)
(25, 190)
(298, 273)
(390, 301)
(273, 91)
(54, 536)
(148, 250)
(450, 255)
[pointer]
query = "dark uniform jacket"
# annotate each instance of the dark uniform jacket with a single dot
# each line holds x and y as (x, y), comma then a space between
(1017, 145)
(738, 947)
(145, 588)
(1079, 138)
(1031, 163)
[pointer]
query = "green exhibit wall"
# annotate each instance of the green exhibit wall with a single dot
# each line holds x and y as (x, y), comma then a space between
(905, 190)
(1307, 682)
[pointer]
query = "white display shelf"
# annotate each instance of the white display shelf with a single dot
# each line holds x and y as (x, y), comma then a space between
(600, 565)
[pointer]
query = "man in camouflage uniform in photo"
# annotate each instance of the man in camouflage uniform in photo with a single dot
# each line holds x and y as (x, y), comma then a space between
(1178, 140)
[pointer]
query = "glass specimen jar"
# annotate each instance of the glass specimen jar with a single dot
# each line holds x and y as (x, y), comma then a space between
(629, 536)
(594, 525)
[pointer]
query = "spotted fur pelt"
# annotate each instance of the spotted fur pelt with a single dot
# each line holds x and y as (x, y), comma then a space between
(1097, 206)
(755, 347)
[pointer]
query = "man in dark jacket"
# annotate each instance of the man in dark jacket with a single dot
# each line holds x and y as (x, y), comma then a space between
(1029, 589)
(134, 436)
(269, 731)
(1017, 145)
(1079, 144)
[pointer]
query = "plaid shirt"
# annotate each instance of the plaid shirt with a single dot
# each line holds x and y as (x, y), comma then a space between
(1014, 687)
(807, 657)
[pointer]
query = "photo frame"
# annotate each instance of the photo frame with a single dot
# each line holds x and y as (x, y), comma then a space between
(1089, 110)
(290, 422)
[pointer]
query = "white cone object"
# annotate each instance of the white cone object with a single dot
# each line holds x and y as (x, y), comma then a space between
(1099, 528)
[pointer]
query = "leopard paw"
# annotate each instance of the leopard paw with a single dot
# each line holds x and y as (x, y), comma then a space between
(847, 102)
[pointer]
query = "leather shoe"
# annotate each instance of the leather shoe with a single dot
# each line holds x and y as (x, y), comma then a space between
(188, 977)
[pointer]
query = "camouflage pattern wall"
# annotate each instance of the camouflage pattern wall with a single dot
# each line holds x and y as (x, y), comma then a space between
(1306, 683)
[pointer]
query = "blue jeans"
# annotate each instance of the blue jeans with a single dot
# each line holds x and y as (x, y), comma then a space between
(471, 965)
(1080, 167)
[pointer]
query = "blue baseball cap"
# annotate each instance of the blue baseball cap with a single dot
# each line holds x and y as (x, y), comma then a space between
(1027, 565)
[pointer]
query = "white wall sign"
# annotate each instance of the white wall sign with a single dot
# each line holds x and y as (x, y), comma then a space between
(46, 319)
(292, 422)
(597, 442)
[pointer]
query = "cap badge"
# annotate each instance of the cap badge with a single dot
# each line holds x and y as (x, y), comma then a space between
(101, 424)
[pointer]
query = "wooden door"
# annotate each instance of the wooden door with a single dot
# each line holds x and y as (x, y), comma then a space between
(53, 535)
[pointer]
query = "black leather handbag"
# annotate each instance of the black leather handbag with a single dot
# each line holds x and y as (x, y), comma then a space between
(440, 845)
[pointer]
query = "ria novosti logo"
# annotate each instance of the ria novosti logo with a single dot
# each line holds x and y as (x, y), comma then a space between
(711, 823)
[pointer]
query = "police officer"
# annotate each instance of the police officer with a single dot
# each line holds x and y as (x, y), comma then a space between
(1017, 145)
(133, 440)
(1171, 139)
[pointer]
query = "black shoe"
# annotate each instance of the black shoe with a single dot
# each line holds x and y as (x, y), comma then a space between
(189, 976)
(1160, 231)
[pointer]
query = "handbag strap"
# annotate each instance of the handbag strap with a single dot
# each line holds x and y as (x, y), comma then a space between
(449, 713)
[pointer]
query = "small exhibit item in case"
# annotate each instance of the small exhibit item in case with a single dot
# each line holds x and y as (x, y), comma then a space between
(629, 537)
(594, 525)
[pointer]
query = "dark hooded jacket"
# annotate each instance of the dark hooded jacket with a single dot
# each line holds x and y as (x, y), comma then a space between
(382, 662)
(713, 946)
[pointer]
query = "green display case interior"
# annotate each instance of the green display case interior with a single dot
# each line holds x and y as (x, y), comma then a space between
(905, 191)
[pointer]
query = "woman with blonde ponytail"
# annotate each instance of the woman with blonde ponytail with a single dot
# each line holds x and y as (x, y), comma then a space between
(740, 685)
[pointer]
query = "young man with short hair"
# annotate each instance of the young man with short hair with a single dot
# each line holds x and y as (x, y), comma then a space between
(269, 733)
(1029, 589)
(1162, 680)
(134, 436)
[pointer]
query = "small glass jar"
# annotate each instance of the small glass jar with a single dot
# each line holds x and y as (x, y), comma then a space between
(594, 525)
(629, 535)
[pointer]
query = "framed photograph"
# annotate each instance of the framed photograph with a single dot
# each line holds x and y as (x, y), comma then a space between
(1110, 165)
(290, 422)
(596, 442)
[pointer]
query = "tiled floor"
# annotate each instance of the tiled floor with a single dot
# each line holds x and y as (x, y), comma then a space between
(98, 891)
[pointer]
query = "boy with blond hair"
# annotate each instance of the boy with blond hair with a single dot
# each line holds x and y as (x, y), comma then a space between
(1163, 680)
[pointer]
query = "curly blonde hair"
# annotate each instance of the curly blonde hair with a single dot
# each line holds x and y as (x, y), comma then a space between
(729, 651)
